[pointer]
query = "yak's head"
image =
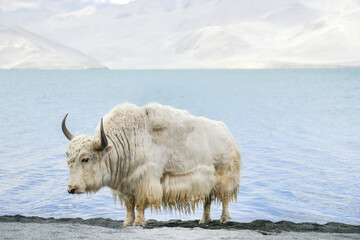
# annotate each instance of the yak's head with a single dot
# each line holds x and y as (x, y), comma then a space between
(84, 155)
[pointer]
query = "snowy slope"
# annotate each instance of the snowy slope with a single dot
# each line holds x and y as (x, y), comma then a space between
(21, 49)
(202, 33)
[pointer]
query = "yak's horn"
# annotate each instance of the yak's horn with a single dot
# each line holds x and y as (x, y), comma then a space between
(104, 141)
(64, 129)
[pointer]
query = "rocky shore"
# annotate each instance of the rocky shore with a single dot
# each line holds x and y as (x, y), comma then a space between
(263, 226)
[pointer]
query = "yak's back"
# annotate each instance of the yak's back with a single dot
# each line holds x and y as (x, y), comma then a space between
(190, 141)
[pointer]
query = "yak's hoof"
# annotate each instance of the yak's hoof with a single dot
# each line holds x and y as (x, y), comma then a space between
(128, 223)
(205, 220)
(225, 219)
(140, 222)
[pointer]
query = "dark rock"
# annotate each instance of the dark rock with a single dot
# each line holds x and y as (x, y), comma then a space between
(263, 226)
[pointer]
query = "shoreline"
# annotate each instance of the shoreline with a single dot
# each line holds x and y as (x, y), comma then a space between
(263, 226)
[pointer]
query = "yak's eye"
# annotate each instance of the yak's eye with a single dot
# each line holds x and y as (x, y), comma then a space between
(85, 160)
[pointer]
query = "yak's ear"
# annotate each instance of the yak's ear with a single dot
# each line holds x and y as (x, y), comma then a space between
(108, 148)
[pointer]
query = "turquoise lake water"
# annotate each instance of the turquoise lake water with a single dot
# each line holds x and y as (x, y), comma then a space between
(298, 132)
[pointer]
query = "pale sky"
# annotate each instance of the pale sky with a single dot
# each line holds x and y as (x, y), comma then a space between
(13, 5)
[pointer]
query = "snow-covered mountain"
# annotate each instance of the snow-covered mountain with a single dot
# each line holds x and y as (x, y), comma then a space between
(22, 49)
(199, 33)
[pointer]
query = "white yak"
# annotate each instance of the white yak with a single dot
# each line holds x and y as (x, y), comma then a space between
(159, 157)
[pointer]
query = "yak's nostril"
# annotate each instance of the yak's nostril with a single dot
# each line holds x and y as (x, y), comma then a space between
(72, 191)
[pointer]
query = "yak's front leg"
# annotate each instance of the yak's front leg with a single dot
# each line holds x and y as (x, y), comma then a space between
(130, 211)
(206, 214)
(140, 217)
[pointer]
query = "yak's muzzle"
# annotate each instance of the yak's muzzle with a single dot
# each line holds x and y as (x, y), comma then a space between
(71, 189)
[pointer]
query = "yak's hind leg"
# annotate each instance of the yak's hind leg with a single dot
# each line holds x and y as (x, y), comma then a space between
(229, 184)
(206, 214)
(140, 217)
(130, 211)
(225, 216)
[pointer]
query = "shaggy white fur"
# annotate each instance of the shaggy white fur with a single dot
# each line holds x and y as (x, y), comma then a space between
(160, 157)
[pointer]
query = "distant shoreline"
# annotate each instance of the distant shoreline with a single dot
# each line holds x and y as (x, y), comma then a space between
(262, 226)
(315, 67)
